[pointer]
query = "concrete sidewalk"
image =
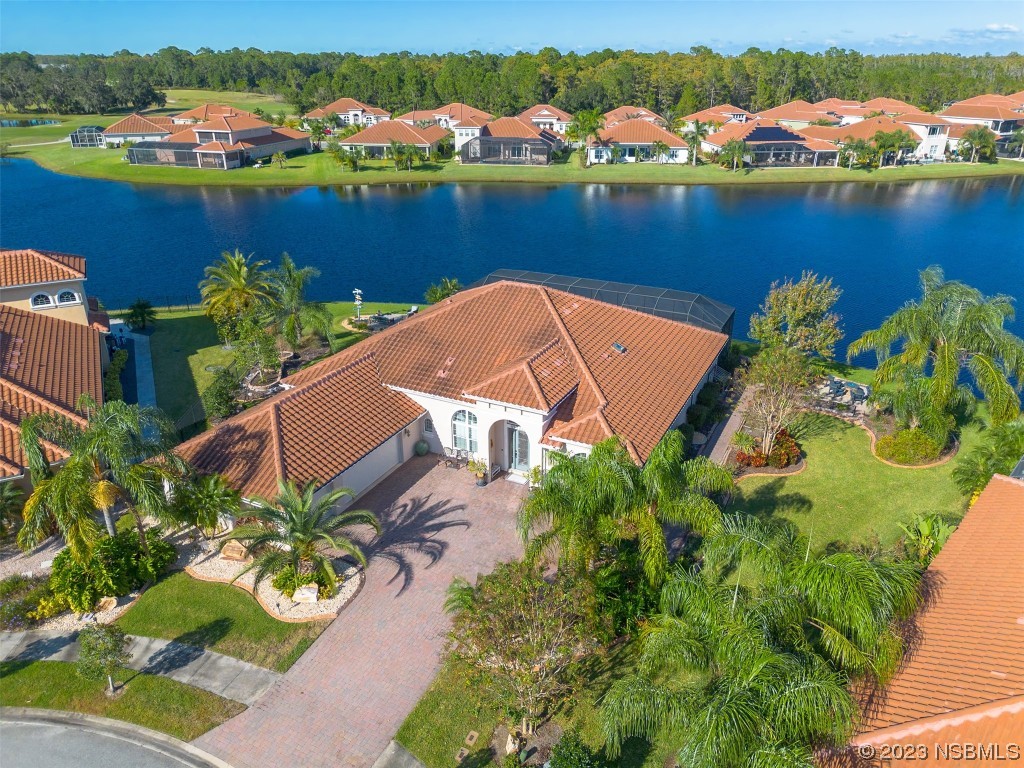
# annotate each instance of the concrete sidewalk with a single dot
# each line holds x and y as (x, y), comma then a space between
(214, 672)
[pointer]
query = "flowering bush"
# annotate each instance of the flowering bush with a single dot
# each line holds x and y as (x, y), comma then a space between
(785, 453)
(754, 458)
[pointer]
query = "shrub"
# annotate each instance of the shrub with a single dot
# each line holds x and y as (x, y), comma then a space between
(785, 452)
(219, 397)
(623, 591)
(20, 596)
(571, 752)
(112, 389)
(908, 446)
(751, 459)
(117, 566)
(697, 415)
(288, 581)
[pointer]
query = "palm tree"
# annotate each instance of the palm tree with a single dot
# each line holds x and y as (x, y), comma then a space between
(352, 158)
(290, 312)
(236, 286)
(1017, 140)
(586, 125)
(204, 501)
(857, 151)
(660, 151)
(673, 120)
(411, 154)
(394, 151)
(140, 314)
(294, 530)
(951, 328)
(119, 454)
(448, 286)
(10, 505)
(909, 399)
(694, 135)
(280, 158)
(1001, 448)
(615, 154)
(979, 141)
(733, 152)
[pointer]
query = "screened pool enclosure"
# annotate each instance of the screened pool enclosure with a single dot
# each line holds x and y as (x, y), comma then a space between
(87, 136)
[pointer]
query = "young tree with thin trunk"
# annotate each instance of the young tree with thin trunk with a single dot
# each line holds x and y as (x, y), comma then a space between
(280, 158)
(103, 652)
(778, 379)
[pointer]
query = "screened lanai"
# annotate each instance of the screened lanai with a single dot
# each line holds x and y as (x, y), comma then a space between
(87, 136)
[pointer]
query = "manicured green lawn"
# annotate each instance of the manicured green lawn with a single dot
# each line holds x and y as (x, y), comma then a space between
(221, 618)
(437, 727)
(845, 493)
(148, 700)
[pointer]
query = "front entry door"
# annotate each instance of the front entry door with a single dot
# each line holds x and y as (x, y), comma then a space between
(518, 448)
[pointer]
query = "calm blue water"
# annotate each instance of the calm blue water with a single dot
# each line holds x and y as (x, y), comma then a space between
(728, 242)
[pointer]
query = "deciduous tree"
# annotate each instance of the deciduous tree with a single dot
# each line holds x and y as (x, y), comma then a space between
(800, 315)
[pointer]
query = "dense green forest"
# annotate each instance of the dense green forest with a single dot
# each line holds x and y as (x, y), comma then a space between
(682, 82)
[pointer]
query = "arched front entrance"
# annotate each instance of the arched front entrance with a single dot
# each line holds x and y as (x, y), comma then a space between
(510, 446)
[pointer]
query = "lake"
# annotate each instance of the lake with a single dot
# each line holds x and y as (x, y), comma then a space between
(729, 242)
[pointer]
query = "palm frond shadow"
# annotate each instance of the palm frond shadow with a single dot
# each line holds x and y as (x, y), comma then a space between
(770, 500)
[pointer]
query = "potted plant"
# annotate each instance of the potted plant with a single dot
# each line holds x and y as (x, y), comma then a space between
(478, 468)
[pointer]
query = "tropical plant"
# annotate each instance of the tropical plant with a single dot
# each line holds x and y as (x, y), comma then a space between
(353, 158)
(236, 286)
(586, 125)
(290, 313)
(448, 286)
(205, 501)
(528, 636)
(909, 399)
(219, 398)
(857, 151)
(800, 315)
(112, 388)
(280, 158)
(908, 447)
(925, 536)
(673, 120)
(1001, 448)
(296, 531)
(10, 505)
(659, 150)
(893, 142)
(140, 314)
(117, 454)
(693, 136)
(1017, 140)
(980, 142)
(256, 349)
(103, 652)
(317, 132)
(394, 151)
(733, 152)
(572, 752)
(951, 329)
(777, 379)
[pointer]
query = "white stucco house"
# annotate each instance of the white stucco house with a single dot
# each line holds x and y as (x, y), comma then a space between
(462, 120)
(547, 118)
(506, 373)
(348, 112)
(636, 141)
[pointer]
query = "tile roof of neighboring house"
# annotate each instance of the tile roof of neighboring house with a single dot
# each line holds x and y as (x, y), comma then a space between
(993, 99)
(46, 364)
(834, 103)
(957, 130)
(462, 113)
(385, 132)
(512, 128)
(981, 112)
(885, 104)
(637, 131)
(921, 118)
(136, 124)
(964, 677)
(825, 132)
(544, 111)
(525, 345)
(215, 146)
(274, 136)
(719, 113)
(798, 110)
(30, 266)
(345, 104)
(865, 129)
(754, 131)
(231, 123)
(207, 112)
(621, 114)
(821, 145)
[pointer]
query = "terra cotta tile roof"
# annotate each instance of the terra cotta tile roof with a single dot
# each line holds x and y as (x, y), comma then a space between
(345, 105)
(968, 658)
(621, 114)
(136, 124)
(383, 133)
(981, 112)
(637, 131)
(30, 266)
(544, 111)
(210, 111)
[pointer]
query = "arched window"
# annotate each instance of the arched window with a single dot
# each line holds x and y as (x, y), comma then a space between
(67, 297)
(464, 431)
(41, 300)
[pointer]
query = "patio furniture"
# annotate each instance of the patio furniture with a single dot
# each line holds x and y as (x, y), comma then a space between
(449, 457)
(495, 471)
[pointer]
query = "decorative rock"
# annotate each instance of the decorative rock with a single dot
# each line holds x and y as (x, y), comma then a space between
(306, 594)
(461, 755)
(511, 744)
(471, 738)
(233, 550)
(106, 604)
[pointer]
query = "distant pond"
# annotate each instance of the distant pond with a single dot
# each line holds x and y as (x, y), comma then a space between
(730, 242)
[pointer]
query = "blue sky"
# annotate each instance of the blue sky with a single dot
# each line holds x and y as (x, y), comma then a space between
(373, 26)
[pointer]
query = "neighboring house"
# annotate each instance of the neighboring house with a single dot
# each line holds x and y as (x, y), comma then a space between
(799, 114)
(961, 684)
(462, 120)
(547, 118)
(87, 136)
(207, 112)
(932, 131)
(636, 139)
(48, 283)
(136, 127)
(506, 372)
(866, 129)
(46, 365)
(511, 141)
(349, 112)
(376, 139)
(956, 133)
(221, 143)
(891, 107)
(1014, 101)
(1001, 120)
(774, 145)
(717, 116)
(622, 114)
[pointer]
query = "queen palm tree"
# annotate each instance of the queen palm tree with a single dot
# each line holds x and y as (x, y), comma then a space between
(660, 151)
(236, 286)
(979, 141)
(586, 124)
(1001, 448)
(204, 501)
(693, 136)
(296, 531)
(950, 329)
(1017, 140)
(909, 399)
(733, 152)
(119, 454)
(857, 151)
(291, 313)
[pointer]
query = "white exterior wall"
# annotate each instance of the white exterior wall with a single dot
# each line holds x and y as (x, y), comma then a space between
(117, 139)
(930, 146)
(462, 135)
(376, 465)
(676, 155)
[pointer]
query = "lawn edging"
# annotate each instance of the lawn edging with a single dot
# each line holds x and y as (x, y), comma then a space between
(796, 470)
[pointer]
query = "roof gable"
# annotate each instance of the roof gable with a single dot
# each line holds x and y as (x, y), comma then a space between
(31, 266)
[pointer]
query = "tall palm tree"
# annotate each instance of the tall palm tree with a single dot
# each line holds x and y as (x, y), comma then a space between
(119, 455)
(909, 399)
(693, 136)
(733, 153)
(586, 124)
(236, 286)
(660, 151)
(673, 120)
(952, 328)
(291, 313)
(297, 531)
(979, 141)
(1017, 140)
(1000, 450)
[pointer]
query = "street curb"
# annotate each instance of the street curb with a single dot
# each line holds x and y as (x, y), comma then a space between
(117, 729)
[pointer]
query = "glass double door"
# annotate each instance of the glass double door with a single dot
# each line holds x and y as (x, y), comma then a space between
(518, 447)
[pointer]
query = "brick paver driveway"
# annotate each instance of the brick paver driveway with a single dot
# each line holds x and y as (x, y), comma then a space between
(341, 703)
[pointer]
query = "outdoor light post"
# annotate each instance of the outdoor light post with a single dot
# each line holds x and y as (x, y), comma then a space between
(358, 300)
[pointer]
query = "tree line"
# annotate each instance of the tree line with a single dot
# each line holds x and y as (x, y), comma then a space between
(680, 82)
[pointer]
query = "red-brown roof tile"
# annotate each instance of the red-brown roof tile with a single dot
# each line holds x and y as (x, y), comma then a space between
(136, 124)
(637, 131)
(385, 132)
(981, 112)
(345, 105)
(30, 266)
(622, 114)
(546, 111)
(211, 111)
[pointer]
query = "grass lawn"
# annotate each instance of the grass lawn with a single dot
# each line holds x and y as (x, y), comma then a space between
(437, 727)
(221, 618)
(845, 493)
(148, 700)
(184, 345)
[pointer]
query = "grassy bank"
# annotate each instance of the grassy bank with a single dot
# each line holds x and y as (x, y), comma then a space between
(221, 618)
(148, 700)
